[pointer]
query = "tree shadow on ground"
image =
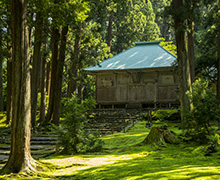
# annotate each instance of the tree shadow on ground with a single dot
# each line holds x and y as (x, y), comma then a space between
(144, 168)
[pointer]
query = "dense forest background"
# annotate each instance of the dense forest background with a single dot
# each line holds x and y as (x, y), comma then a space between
(60, 38)
(67, 36)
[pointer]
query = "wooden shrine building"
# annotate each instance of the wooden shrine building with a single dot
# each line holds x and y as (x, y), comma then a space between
(140, 77)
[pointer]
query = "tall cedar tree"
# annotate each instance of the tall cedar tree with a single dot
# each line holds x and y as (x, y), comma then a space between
(218, 65)
(69, 14)
(20, 158)
(58, 56)
(1, 61)
(190, 38)
(43, 89)
(59, 76)
(36, 65)
(72, 84)
(54, 66)
(182, 56)
(9, 67)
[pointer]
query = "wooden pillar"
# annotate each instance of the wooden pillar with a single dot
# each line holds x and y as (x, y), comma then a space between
(156, 89)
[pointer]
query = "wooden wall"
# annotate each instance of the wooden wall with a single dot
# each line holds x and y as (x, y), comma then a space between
(136, 86)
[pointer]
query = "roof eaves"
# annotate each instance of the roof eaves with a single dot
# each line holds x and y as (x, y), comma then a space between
(106, 70)
(147, 43)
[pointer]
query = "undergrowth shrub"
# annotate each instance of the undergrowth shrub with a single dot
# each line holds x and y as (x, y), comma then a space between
(73, 137)
(214, 139)
(204, 110)
(164, 114)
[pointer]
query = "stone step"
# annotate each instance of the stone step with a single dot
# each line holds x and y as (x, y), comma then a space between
(109, 123)
(43, 151)
(44, 138)
(37, 140)
(44, 135)
(112, 120)
(39, 152)
(42, 145)
(5, 148)
(33, 147)
(4, 152)
(3, 159)
(44, 142)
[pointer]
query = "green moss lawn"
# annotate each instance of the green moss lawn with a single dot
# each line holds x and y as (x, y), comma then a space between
(124, 159)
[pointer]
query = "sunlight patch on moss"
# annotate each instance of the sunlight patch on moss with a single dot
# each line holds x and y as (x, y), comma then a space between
(124, 135)
(185, 172)
(3, 119)
(92, 162)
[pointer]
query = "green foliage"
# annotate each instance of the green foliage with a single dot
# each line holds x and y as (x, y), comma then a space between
(214, 139)
(134, 22)
(206, 39)
(39, 100)
(163, 114)
(73, 137)
(162, 19)
(169, 46)
(205, 108)
(67, 12)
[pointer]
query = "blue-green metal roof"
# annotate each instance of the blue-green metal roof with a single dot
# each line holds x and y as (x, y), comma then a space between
(143, 55)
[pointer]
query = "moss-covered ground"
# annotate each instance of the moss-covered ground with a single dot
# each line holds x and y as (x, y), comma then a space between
(123, 158)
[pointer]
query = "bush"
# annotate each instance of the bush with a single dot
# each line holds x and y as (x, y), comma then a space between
(73, 137)
(165, 114)
(205, 108)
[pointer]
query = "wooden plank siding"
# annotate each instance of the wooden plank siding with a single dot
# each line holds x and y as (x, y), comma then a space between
(144, 86)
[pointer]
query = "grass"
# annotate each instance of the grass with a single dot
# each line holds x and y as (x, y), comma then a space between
(3, 125)
(4, 128)
(124, 159)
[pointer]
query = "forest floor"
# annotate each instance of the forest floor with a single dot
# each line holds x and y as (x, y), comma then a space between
(124, 159)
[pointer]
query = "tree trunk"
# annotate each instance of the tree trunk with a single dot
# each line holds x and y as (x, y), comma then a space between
(218, 70)
(9, 74)
(43, 86)
(58, 88)
(160, 136)
(48, 78)
(43, 92)
(182, 59)
(109, 39)
(190, 36)
(72, 84)
(218, 65)
(80, 87)
(54, 65)
(36, 67)
(30, 31)
(20, 157)
(1, 86)
(9, 90)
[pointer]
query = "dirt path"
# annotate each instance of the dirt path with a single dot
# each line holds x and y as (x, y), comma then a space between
(70, 165)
